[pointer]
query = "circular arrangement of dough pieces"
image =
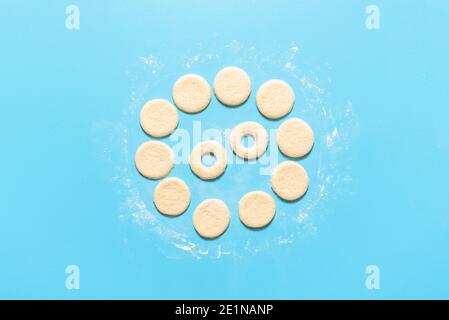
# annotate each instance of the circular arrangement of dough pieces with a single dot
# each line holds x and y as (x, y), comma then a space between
(154, 159)
(289, 180)
(275, 99)
(257, 209)
(211, 218)
(158, 118)
(295, 138)
(255, 130)
(191, 93)
(172, 196)
(232, 86)
(208, 172)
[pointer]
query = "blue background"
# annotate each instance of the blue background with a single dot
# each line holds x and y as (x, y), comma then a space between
(58, 207)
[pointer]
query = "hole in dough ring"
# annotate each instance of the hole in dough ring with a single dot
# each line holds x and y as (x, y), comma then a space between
(232, 86)
(295, 138)
(256, 209)
(158, 118)
(275, 99)
(211, 218)
(171, 196)
(254, 129)
(289, 180)
(214, 171)
(154, 159)
(191, 93)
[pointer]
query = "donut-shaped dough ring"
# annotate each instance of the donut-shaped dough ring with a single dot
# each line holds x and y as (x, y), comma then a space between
(249, 128)
(208, 147)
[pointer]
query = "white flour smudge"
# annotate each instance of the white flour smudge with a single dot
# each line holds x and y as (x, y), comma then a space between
(332, 172)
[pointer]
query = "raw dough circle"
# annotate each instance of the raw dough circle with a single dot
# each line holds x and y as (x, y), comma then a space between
(289, 180)
(232, 86)
(211, 218)
(154, 159)
(249, 128)
(256, 209)
(172, 196)
(191, 93)
(275, 99)
(158, 118)
(208, 147)
(295, 138)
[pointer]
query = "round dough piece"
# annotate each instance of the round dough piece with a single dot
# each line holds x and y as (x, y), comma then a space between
(289, 180)
(256, 209)
(208, 172)
(295, 138)
(159, 118)
(249, 128)
(232, 86)
(154, 159)
(211, 218)
(191, 93)
(275, 99)
(172, 196)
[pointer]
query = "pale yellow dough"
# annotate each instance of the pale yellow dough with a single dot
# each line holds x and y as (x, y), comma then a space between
(289, 180)
(191, 93)
(249, 128)
(214, 171)
(172, 196)
(256, 209)
(295, 138)
(211, 218)
(154, 159)
(232, 86)
(275, 99)
(158, 118)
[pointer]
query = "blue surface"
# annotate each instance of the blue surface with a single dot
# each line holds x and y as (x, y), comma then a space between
(69, 128)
